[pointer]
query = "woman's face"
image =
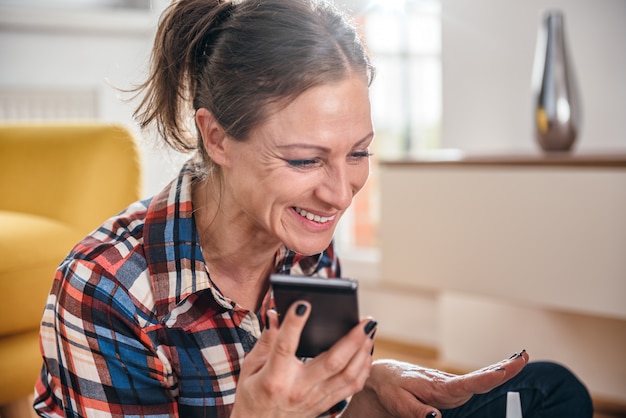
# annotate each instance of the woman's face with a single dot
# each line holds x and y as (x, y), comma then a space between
(296, 175)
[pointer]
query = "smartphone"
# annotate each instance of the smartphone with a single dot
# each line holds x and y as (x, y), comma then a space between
(334, 308)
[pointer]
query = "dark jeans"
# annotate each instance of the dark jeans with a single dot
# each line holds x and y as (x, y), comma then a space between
(547, 390)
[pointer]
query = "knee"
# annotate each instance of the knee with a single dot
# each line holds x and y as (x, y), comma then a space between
(562, 384)
(555, 373)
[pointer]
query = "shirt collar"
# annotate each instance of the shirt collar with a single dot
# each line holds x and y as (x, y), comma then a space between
(172, 247)
(174, 256)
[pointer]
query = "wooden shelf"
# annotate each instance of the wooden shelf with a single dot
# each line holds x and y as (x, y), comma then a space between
(584, 159)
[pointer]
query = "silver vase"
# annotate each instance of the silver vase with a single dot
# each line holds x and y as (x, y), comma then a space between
(555, 96)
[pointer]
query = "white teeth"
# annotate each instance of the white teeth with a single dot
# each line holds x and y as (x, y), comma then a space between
(312, 217)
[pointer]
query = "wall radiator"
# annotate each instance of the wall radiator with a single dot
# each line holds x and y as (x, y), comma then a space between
(47, 104)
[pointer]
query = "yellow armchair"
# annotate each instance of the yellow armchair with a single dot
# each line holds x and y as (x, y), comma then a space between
(57, 183)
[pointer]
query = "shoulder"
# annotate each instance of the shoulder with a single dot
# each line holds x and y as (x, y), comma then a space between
(107, 269)
(116, 241)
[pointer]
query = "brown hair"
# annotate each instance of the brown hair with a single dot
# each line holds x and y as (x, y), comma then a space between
(235, 58)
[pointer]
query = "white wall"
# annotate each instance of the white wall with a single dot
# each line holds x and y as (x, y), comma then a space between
(488, 50)
(102, 50)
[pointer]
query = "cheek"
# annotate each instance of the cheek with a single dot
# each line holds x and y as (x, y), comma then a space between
(360, 178)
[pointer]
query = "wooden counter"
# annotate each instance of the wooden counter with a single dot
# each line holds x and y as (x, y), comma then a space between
(546, 230)
(579, 160)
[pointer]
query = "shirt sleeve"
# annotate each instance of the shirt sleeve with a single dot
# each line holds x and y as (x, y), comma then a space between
(98, 361)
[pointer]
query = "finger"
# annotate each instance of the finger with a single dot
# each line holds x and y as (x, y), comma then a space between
(272, 320)
(258, 356)
(408, 406)
(514, 364)
(516, 357)
(352, 378)
(511, 366)
(348, 363)
(487, 378)
(347, 382)
(340, 354)
(288, 335)
(360, 336)
(342, 371)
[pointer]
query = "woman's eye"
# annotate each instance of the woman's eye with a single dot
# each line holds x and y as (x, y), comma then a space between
(302, 163)
(360, 155)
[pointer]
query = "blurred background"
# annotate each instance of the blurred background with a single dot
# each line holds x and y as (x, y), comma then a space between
(453, 79)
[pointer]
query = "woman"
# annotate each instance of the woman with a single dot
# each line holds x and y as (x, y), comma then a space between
(154, 313)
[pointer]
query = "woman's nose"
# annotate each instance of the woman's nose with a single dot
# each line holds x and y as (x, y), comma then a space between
(337, 189)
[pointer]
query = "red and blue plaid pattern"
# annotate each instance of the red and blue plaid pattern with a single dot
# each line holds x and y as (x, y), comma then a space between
(134, 327)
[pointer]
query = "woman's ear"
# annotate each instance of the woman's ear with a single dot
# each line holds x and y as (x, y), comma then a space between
(213, 136)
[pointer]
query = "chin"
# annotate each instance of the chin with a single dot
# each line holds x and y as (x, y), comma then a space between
(309, 249)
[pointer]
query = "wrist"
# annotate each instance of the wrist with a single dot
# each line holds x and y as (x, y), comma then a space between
(364, 404)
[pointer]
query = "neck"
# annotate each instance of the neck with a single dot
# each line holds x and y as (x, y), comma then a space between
(239, 258)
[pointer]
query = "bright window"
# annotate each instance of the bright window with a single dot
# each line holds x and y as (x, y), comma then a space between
(404, 39)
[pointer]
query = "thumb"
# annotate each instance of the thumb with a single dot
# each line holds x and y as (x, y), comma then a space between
(409, 406)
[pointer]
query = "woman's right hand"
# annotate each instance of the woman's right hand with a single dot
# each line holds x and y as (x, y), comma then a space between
(274, 383)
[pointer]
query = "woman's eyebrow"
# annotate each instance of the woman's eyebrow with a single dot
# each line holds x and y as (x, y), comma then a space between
(366, 138)
(305, 146)
(320, 148)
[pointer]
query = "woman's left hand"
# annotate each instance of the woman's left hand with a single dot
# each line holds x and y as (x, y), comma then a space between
(403, 390)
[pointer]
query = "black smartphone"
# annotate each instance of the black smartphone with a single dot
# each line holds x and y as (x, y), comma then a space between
(334, 308)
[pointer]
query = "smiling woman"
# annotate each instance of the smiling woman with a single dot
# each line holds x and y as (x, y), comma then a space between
(166, 309)
(179, 283)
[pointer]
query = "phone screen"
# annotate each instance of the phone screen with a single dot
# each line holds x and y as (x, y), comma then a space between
(334, 308)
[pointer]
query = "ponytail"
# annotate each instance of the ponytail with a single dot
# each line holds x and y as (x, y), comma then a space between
(180, 47)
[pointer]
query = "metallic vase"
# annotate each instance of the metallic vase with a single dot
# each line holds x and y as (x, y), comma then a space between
(555, 96)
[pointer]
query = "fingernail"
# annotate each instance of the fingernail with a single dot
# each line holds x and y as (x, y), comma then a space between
(267, 321)
(517, 355)
(301, 309)
(370, 326)
(431, 415)
(373, 333)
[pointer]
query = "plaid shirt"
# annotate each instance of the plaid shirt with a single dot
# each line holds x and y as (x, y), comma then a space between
(134, 327)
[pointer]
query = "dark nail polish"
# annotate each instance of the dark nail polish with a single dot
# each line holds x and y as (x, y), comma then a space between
(517, 355)
(301, 309)
(372, 335)
(431, 415)
(267, 321)
(370, 326)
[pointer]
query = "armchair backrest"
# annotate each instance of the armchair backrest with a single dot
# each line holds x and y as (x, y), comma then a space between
(79, 174)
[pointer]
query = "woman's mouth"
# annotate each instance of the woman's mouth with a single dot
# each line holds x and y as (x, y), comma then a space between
(313, 217)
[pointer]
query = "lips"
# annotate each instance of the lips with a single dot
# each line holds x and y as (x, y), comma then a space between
(313, 217)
